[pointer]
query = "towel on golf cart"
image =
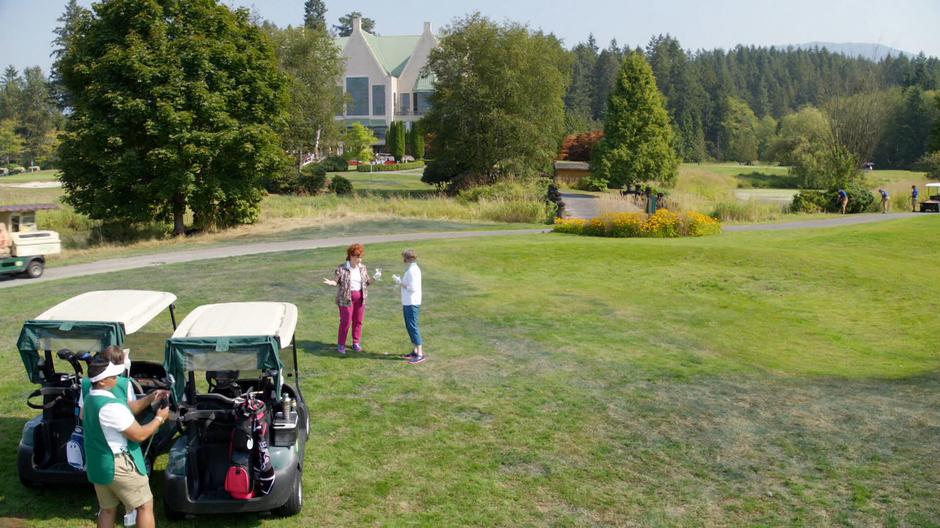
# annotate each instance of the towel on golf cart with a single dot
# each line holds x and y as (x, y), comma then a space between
(251, 472)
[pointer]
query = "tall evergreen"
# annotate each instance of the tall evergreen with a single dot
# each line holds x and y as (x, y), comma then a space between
(69, 24)
(314, 14)
(604, 78)
(638, 139)
(580, 96)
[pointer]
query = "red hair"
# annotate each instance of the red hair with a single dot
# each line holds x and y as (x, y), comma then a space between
(355, 250)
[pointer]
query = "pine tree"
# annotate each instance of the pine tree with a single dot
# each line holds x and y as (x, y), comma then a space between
(391, 137)
(314, 14)
(344, 28)
(399, 150)
(638, 139)
(416, 141)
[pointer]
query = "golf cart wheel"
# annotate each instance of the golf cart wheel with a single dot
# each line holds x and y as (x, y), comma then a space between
(296, 501)
(34, 269)
(23, 462)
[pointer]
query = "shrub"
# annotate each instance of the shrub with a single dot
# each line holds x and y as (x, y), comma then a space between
(663, 224)
(535, 189)
(734, 210)
(592, 183)
(340, 185)
(16, 169)
(388, 168)
(580, 147)
(334, 164)
(814, 201)
(312, 179)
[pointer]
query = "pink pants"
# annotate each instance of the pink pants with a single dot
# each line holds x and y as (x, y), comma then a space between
(351, 314)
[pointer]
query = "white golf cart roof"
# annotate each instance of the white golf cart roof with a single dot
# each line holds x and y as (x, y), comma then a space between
(241, 319)
(131, 308)
(933, 185)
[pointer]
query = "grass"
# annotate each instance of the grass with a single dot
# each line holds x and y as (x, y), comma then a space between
(45, 175)
(752, 379)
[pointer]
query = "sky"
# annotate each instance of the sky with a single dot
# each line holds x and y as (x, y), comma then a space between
(909, 25)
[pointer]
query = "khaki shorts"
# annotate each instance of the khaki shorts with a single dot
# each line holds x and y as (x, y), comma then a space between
(128, 487)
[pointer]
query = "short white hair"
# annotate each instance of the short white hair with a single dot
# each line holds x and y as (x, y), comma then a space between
(409, 255)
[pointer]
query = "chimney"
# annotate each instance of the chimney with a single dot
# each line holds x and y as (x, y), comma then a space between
(427, 27)
(357, 25)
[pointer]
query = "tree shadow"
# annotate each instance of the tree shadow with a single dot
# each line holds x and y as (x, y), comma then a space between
(328, 350)
(398, 193)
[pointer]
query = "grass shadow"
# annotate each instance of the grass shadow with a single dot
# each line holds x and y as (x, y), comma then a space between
(328, 350)
(760, 180)
(397, 193)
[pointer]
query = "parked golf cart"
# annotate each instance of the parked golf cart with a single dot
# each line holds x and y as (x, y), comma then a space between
(27, 255)
(241, 421)
(932, 203)
(68, 335)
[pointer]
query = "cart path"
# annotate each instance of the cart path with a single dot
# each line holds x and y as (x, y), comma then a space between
(177, 257)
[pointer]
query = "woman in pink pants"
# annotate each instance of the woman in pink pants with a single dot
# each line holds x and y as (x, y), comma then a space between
(352, 281)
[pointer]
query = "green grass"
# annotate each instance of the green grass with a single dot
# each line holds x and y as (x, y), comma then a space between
(45, 175)
(394, 182)
(751, 379)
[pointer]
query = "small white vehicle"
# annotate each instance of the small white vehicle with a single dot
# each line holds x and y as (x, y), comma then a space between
(30, 246)
(932, 203)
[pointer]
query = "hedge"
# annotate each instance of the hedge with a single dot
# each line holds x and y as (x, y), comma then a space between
(389, 168)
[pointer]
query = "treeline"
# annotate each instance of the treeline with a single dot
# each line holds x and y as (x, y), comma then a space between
(29, 118)
(713, 94)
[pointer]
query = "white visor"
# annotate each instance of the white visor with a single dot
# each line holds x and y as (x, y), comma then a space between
(112, 370)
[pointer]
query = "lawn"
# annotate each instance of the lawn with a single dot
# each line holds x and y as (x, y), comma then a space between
(751, 379)
(45, 175)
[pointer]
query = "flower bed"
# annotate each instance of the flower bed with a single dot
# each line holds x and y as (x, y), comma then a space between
(663, 224)
(392, 167)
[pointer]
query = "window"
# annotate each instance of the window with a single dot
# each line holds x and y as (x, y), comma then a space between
(405, 104)
(358, 90)
(422, 102)
(378, 99)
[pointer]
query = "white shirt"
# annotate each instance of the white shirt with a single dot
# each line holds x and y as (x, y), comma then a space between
(114, 419)
(411, 286)
(131, 397)
(355, 278)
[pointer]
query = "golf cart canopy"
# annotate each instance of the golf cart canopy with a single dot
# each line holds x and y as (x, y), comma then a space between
(933, 185)
(89, 322)
(241, 336)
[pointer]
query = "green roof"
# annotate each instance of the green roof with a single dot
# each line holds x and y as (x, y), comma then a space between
(392, 52)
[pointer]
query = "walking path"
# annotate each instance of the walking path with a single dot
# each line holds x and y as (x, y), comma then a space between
(581, 204)
(176, 257)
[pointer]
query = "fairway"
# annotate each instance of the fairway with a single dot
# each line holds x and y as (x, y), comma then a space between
(749, 379)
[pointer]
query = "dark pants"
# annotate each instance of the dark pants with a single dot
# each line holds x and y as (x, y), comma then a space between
(412, 314)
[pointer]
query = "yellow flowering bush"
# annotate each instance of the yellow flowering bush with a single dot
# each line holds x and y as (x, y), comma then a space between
(663, 224)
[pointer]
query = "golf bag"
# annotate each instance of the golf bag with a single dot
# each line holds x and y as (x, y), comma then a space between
(251, 472)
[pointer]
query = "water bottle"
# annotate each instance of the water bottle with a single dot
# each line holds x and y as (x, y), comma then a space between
(75, 449)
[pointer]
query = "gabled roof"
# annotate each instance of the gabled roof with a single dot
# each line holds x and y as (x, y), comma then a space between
(392, 52)
(25, 208)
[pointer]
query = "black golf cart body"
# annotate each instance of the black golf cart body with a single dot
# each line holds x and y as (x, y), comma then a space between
(66, 335)
(221, 355)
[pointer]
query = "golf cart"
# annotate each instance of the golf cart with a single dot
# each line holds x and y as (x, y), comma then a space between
(71, 333)
(243, 426)
(27, 254)
(932, 203)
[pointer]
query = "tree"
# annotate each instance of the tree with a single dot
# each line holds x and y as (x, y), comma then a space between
(69, 23)
(175, 105)
(578, 100)
(907, 133)
(38, 116)
(858, 122)
(416, 141)
(739, 140)
(398, 147)
(392, 138)
(315, 14)
(11, 144)
(357, 143)
(312, 64)
(604, 77)
(344, 28)
(498, 105)
(799, 133)
(685, 96)
(766, 134)
(11, 93)
(638, 139)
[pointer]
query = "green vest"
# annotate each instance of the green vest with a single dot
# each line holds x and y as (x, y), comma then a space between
(99, 460)
(119, 391)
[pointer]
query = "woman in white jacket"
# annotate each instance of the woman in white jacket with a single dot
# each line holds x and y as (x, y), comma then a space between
(410, 285)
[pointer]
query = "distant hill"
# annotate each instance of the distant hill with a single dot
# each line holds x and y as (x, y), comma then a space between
(874, 52)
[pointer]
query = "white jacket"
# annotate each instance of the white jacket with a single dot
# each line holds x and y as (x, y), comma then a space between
(411, 286)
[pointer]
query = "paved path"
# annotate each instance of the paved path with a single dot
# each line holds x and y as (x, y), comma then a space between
(176, 257)
(580, 205)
